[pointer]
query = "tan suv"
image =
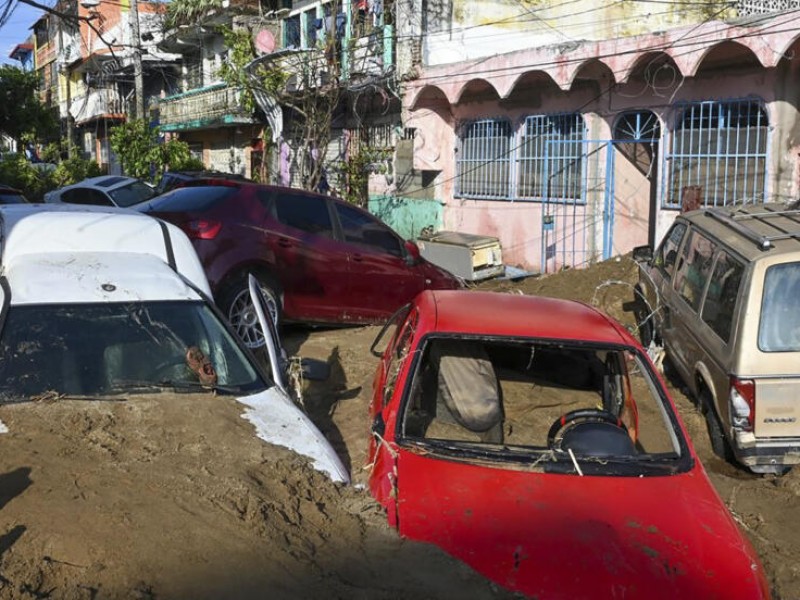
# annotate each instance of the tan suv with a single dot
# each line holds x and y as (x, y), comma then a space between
(722, 293)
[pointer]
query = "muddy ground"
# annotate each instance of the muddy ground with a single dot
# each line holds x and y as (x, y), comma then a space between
(174, 497)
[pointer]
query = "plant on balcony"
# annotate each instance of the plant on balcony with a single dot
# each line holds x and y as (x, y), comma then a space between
(188, 12)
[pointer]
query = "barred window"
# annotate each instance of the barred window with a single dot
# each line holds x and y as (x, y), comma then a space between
(483, 163)
(551, 158)
(718, 154)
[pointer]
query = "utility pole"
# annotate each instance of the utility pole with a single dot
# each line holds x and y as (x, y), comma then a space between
(138, 76)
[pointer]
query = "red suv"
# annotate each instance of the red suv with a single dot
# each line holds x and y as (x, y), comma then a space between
(320, 259)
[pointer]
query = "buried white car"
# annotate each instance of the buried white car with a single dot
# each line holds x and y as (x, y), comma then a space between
(103, 303)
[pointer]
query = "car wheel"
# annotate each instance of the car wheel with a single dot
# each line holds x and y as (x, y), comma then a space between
(237, 306)
(644, 320)
(719, 444)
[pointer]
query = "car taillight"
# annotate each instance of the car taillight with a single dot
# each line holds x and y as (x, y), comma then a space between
(202, 229)
(743, 403)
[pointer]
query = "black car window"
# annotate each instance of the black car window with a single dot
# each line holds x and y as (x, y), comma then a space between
(131, 194)
(668, 251)
(307, 213)
(723, 290)
(194, 199)
(362, 229)
(86, 196)
(694, 270)
(8, 197)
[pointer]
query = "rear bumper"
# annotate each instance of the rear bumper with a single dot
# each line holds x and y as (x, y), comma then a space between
(765, 452)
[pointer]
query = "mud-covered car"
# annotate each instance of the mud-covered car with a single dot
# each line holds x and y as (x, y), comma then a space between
(533, 439)
(104, 304)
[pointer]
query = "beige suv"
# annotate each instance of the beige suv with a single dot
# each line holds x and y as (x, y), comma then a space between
(722, 293)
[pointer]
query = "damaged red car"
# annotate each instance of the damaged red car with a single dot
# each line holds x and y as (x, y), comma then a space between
(533, 439)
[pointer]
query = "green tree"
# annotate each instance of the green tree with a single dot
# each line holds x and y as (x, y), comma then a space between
(141, 152)
(21, 112)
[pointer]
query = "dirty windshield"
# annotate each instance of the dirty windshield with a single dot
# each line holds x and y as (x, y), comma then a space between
(543, 403)
(95, 350)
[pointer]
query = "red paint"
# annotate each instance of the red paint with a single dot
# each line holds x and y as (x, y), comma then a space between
(331, 276)
(546, 534)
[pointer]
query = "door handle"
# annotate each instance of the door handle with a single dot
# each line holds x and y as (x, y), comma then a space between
(284, 243)
(358, 257)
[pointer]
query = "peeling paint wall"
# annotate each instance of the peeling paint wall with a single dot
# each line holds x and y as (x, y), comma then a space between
(490, 27)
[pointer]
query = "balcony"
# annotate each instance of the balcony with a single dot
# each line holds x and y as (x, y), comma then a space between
(207, 107)
(102, 103)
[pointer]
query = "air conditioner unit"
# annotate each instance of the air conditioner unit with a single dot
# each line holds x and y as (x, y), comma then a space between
(471, 257)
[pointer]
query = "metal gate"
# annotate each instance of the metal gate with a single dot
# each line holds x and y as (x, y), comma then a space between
(578, 203)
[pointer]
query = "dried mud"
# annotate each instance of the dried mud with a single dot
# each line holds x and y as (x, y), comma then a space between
(173, 496)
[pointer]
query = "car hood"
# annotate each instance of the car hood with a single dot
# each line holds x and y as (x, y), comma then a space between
(565, 536)
(278, 421)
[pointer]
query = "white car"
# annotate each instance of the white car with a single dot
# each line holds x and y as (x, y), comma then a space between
(103, 302)
(106, 190)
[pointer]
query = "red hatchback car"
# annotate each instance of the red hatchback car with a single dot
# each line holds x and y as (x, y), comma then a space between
(533, 439)
(319, 259)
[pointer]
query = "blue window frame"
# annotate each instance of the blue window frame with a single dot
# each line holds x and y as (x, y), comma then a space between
(718, 154)
(483, 163)
(552, 158)
(545, 161)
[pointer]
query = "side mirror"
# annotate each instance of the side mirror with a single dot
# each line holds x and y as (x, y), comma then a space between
(412, 253)
(643, 254)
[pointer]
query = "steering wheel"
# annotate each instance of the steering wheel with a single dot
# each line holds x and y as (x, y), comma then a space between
(575, 417)
(168, 370)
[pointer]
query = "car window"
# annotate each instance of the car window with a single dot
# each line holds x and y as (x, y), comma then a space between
(779, 325)
(667, 253)
(131, 194)
(87, 196)
(90, 350)
(694, 268)
(7, 197)
(364, 230)
(307, 213)
(535, 400)
(723, 290)
(198, 199)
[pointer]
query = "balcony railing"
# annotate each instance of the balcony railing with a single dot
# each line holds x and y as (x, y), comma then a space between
(213, 105)
(97, 103)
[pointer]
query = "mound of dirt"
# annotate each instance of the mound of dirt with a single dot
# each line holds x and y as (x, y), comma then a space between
(173, 496)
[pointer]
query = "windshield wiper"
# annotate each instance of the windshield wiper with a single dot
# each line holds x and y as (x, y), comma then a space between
(134, 385)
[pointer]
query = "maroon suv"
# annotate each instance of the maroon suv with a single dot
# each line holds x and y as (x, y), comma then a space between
(322, 260)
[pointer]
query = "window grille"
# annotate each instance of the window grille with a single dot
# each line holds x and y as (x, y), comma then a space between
(551, 158)
(718, 154)
(194, 72)
(483, 163)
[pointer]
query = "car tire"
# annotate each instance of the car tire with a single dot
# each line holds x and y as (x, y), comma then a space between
(236, 305)
(719, 443)
(644, 320)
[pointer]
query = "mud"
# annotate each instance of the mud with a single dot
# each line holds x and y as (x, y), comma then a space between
(173, 496)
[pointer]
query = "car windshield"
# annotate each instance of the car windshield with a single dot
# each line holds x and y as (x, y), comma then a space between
(102, 349)
(133, 193)
(566, 408)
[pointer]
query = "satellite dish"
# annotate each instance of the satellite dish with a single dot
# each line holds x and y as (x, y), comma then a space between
(89, 4)
(265, 41)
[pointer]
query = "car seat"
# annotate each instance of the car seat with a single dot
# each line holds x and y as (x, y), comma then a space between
(467, 389)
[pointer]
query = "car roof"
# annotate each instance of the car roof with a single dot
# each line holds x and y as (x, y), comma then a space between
(516, 315)
(104, 182)
(68, 230)
(757, 231)
(93, 277)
